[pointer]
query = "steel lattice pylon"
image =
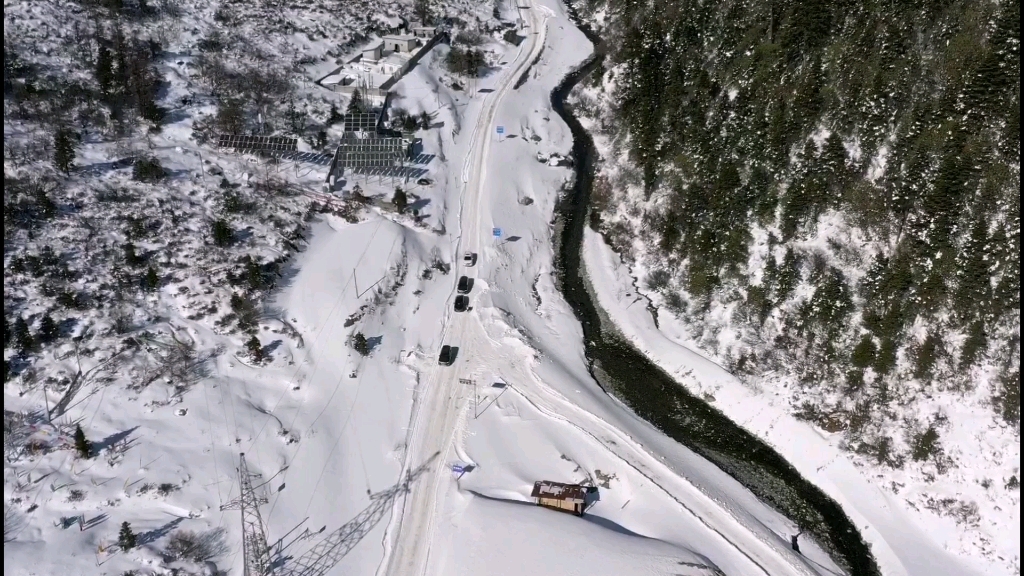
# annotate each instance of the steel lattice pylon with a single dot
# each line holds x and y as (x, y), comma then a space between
(255, 552)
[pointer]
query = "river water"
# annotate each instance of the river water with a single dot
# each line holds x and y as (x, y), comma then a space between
(656, 397)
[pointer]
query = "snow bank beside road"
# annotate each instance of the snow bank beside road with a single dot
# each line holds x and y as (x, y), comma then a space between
(899, 545)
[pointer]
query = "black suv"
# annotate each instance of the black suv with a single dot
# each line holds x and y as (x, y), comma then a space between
(461, 303)
(447, 356)
(465, 285)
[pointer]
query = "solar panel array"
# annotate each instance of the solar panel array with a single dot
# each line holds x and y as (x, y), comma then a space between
(369, 159)
(351, 144)
(258, 143)
(360, 122)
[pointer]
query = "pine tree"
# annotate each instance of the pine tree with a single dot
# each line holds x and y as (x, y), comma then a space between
(400, 200)
(104, 69)
(48, 329)
(23, 337)
(255, 349)
(355, 104)
(130, 257)
(222, 233)
(126, 538)
(361, 344)
(334, 117)
(63, 150)
(82, 444)
(151, 280)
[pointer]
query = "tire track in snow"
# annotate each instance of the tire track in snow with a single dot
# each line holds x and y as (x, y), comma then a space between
(404, 553)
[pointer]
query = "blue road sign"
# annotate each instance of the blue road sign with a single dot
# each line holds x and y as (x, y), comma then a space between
(496, 232)
(501, 129)
(457, 469)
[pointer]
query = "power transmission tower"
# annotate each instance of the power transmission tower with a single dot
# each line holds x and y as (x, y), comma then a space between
(255, 552)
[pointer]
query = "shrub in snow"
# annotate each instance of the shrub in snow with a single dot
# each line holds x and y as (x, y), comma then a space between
(188, 545)
(400, 200)
(361, 344)
(126, 539)
(222, 233)
(255, 349)
(82, 444)
(63, 150)
(148, 170)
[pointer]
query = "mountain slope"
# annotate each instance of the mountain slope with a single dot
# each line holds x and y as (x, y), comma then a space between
(825, 195)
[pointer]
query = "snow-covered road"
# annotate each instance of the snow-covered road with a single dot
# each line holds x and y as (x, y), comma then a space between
(734, 541)
(407, 538)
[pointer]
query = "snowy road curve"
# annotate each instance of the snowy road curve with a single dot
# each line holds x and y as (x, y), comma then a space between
(407, 538)
(439, 415)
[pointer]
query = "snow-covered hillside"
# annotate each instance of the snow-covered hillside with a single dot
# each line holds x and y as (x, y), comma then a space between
(182, 304)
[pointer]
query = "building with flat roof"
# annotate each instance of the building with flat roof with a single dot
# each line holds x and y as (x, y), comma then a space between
(400, 42)
(570, 498)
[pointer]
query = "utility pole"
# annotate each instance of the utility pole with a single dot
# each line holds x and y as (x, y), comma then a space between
(255, 553)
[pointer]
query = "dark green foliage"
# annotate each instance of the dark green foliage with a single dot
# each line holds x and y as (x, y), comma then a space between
(927, 354)
(1008, 397)
(126, 539)
(886, 359)
(245, 311)
(131, 258)
(254, 348)
(334, 117)
(400, 200)
(421, 8)
(82, 444)
(926, 445)
(863, 354)
(230, 117)
(360, 344)
(738, 114)
(355, 103)
(151, 280)
(63, 150)
(466, 62)
(48, 329)
(975, 345)
(148, 170)
(23, 339)
(222, 233)
(104, 69)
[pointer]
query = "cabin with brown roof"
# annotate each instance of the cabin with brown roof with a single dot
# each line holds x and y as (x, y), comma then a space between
(570, 498)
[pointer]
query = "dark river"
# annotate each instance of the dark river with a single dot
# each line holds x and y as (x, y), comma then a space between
(655, 396)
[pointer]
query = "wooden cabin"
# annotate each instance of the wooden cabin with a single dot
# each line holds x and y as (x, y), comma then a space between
(570, 498)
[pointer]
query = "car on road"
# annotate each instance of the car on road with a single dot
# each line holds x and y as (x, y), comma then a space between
(424, 181)
(469, 258)
(447, 356)
(465, 285)
(461, 303)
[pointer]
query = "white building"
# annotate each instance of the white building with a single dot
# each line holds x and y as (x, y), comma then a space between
(400, 43)
(421, 31)
(373, 53)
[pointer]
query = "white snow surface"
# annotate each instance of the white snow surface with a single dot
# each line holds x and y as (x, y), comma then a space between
(355, 452)
(904, 543)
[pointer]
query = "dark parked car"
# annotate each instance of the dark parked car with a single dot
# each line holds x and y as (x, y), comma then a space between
(424, 181)
(464, 285)
(461, 303)
(447, 356)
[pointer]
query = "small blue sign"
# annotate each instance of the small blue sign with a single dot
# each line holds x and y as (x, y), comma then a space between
(457, 469)
(496, 232)
(501, 129)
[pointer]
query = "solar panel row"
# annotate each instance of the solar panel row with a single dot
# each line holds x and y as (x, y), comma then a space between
(360, 122)
(262, 143)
